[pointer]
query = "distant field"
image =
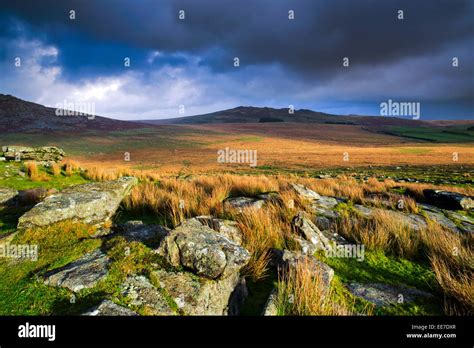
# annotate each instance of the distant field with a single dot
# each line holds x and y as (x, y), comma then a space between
(456, 134)
(288, 146)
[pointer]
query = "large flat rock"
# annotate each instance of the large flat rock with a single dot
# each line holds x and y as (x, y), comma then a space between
(92, 203)
(83, 273)
(384, 295)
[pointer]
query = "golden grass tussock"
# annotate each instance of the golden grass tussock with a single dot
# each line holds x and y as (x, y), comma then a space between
(55, 169)
(302, 291)
(34, 173)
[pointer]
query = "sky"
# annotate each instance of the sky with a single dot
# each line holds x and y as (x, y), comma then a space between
(290, 52)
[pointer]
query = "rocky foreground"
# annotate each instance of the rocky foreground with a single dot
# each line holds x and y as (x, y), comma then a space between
(201, 259)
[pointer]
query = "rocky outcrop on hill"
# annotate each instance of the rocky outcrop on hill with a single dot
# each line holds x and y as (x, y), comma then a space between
(40, 154)
(92, 203)
(449, 200)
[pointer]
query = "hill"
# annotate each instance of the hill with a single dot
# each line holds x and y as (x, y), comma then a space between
(20, 116)
(249, 114)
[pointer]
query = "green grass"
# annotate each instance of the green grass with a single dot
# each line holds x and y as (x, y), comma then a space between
(379, 268)
(9, 177)
(454, 134)
(21, 292)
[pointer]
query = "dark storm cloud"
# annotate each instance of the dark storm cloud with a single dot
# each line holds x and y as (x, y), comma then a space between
(282, 61)
(258, 31)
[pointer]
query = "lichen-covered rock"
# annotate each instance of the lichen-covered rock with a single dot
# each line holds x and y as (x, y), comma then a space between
(228, 228)
(144, 295)
(92, 203)
(384, 294)
(203, 251)
(323, 204)
(449, 200)
(321, 240)
(7, 195)
(109, 308)
(304, 192)
(196, 295)
(23, 153)
(241, 203)
(139, 232)
(83, 273)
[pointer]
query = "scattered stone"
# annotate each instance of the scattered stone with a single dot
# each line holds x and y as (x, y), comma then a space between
(2, 159)
(384, 295)
(21, 173)
(45, 153)
(228, 228)
(195, 295)
(270, 308)
(304, 192)
(449, 200)
(92, 203)
(7, 195)
(202, 250)
(109, 308)
(241, 203)
(83, 273)
(137, 231)
(141, 293)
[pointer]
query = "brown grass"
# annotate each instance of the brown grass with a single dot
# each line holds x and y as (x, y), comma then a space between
(55, 169)
(33, 173)
(302, 291)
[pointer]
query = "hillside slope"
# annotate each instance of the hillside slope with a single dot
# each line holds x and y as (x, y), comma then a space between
(19, 116)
